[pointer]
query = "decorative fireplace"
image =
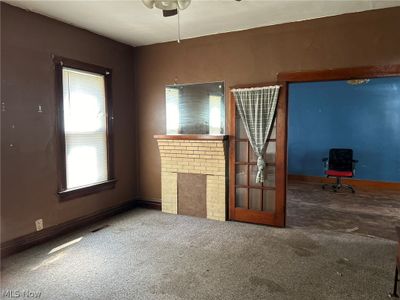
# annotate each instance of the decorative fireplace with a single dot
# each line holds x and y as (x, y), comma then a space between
(194, 175)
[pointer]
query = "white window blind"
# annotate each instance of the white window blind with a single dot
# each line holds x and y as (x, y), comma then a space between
(85, 127)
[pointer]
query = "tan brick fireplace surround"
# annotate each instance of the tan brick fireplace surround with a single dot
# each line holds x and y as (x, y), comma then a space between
(194, 154)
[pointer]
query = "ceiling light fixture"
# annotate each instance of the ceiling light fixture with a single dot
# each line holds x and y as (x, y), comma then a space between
(357, 81)
(169, 8)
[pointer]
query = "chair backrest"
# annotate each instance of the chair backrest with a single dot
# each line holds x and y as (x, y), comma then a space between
(341, 159)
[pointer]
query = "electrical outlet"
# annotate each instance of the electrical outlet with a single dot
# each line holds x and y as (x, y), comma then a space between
(39, 224)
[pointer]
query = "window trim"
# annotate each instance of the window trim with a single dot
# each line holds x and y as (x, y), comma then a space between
(63, 192)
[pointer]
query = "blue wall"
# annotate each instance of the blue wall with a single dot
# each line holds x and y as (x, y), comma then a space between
(335, 114)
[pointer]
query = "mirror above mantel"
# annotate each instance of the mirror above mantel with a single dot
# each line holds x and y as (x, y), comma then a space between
(195, 109)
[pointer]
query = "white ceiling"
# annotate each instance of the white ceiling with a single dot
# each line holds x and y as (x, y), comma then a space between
(130, 22)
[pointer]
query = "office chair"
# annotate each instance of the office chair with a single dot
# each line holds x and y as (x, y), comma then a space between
(340, 164)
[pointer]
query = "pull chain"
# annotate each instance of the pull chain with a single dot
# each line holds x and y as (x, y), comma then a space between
(179, 28)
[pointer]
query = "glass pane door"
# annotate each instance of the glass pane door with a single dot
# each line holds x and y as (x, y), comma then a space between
(261, 203)
(249, 194)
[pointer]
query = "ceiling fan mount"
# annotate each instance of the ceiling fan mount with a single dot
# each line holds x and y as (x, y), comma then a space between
(168, 7)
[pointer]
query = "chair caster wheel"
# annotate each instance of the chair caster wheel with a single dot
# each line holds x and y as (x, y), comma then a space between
(353, 191)
(323, 187)
(335, 191)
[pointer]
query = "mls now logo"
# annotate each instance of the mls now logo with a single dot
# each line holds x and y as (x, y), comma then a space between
(21, 294)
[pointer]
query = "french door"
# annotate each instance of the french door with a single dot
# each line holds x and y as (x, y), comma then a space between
(261, 203)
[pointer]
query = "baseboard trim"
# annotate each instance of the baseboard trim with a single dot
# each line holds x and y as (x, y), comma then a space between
(150, 204)
(354, 182)
(35, 238)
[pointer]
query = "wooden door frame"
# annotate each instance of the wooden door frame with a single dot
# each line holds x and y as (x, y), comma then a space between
(340, 74)
(280, 168)
(285, 78)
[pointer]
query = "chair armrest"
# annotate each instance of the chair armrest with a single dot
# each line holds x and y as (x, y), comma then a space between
(355, 161)
(325, 159)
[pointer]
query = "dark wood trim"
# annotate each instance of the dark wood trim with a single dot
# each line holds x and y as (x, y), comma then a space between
(231, 162)
(87, 190)
(149, 204)
(38, 237)
(370, 184)
(110, 124)
(254, 216)
(76, 64)
(191, 137)
(341, 74)
(61, 162)
(256, 187)
(281, 155)
(65, 194)
(276, 218)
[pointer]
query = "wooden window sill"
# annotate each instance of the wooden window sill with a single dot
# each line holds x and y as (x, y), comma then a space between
(87, 190)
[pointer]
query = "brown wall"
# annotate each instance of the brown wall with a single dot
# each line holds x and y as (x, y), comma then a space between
(251, 56)
(29, 168)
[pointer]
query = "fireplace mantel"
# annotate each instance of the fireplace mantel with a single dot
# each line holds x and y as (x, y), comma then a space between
(206, 137)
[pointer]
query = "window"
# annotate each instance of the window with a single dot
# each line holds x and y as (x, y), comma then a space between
(84, 128)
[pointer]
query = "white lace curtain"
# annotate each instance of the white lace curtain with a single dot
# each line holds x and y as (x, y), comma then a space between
(256, 107)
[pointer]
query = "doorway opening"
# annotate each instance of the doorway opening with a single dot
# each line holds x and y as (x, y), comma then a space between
(359, 112)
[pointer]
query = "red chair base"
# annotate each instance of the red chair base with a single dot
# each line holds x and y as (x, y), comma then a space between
(338, 185)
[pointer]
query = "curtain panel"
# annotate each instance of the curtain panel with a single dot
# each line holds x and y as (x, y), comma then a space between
(256, 107)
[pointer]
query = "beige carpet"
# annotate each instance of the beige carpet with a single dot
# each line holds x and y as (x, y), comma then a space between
(146, 254)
